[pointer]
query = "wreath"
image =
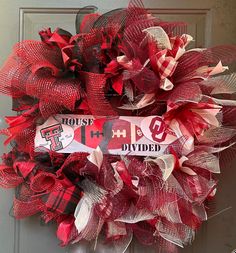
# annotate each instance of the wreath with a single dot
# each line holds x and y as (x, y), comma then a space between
(120, 129)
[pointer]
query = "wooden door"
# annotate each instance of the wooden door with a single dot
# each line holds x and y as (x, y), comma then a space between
(211, 22)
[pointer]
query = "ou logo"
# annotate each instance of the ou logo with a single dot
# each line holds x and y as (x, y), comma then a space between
(157, 129)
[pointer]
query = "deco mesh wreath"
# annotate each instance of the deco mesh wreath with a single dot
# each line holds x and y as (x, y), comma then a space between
(148, 173)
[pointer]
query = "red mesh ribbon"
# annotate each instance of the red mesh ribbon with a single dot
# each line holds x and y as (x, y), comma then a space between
(43, 182)
(23, 209)
(25, 204)
(9, 178)
(33, 69)
(95, 87)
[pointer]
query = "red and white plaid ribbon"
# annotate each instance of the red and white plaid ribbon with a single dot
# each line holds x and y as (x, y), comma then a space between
(166, 64)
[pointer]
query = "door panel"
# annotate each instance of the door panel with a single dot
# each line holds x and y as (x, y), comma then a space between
(211, 22)
(32, 20)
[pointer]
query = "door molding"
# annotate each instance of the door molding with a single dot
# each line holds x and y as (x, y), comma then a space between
(199, 20)
(23, 12)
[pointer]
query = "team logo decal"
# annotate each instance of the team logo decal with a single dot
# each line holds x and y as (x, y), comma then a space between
(157, 128)
(154, 129)
(52, 134)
